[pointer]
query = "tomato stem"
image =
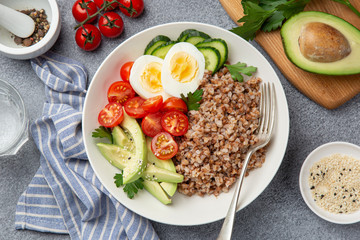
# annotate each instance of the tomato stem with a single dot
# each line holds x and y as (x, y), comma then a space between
(106, 5)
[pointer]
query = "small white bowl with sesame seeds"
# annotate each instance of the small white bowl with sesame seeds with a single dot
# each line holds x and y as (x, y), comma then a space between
(11, 49)
(328, 182)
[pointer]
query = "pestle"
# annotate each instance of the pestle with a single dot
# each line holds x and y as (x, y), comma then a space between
(16, 22)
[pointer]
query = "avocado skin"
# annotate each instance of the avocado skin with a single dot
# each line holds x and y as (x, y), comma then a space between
(290, 33)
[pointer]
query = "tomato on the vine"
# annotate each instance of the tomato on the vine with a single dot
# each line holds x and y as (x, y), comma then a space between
(88, 37)
(111, 115)
(174, 103)
(111, 24)
(125, 71)
(82, 8)
(133, 107)
(175, 123)
(100, 3)
(151, 124)
(164, 146)
(131, 8)
(153, 104)
(120, 92)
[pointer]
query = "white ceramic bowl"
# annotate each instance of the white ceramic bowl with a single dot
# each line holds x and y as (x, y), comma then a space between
(315, 156)
(184, 210)
(7, 45)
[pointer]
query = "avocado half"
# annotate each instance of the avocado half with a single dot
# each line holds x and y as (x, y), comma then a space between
(322, 43)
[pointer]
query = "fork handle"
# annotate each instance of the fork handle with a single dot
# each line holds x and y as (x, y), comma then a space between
(227, 227)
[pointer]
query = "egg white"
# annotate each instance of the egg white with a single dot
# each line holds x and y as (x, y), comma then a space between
(173, 86)
(136, 72)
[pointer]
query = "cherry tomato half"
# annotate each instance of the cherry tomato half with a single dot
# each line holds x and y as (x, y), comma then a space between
(151, 124)
(120, 92)
(175, 123)
(81, 8)
(99, 4)
(164, 146)
(88, 37)
(125, 71)
(133, 107)
(133, 7)
(111, 24)
(153, 104)
(111, 115)
(174, 103)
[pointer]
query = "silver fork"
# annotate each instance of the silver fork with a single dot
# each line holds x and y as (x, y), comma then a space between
(266, 125)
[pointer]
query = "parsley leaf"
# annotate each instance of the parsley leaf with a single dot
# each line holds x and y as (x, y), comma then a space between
(130, 188)
(253, 20)
(236, 70)
(266, 15)
(102, 132)
(192, 100)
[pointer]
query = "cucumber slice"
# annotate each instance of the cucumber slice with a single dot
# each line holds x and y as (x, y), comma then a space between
(155, 42)
(184, 34)
(195, 37)
(220, 45)
(162, 50)
(212, 58)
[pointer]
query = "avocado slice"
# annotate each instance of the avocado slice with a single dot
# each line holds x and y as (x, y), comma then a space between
(136, 164)
(122, 139)
(322, 43)
(157, 174)
(116, 155)
(156, 190)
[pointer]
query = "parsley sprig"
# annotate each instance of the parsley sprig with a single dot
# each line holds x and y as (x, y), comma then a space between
(192, 100)
(269, 15)
(102, 132)
(236, 70)
(130, 188)
(266, 15)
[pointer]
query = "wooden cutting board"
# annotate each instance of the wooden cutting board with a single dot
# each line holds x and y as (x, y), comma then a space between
(328, 91)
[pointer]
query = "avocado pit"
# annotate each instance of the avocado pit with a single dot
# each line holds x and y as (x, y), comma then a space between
(320, 42)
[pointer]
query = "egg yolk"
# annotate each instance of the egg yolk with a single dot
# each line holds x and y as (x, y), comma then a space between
(183, 67)
(150, 78)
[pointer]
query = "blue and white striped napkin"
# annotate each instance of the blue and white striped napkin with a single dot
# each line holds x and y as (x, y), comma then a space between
(65, 196)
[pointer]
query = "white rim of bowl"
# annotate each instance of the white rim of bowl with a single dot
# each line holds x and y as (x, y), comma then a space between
(317, 210)
(55, 20)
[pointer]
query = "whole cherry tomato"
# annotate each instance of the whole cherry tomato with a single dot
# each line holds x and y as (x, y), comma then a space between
(175, 123)
(120, 92)
(111, 24)
(164, 146)
(111, 115)
(153, 104)
(88, 37)
(151, 124)
(99, 4)
(82, 8)
(131, 8)
(174, 103)
(133, 107)
(125, 71)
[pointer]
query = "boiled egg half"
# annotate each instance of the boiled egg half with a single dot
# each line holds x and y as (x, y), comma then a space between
(145, 77)
(182, 70)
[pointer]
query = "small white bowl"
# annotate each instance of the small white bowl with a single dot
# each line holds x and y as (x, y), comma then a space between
(7, 45)
(315, 156)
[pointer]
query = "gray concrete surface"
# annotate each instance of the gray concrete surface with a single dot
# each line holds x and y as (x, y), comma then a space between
(278, 213)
